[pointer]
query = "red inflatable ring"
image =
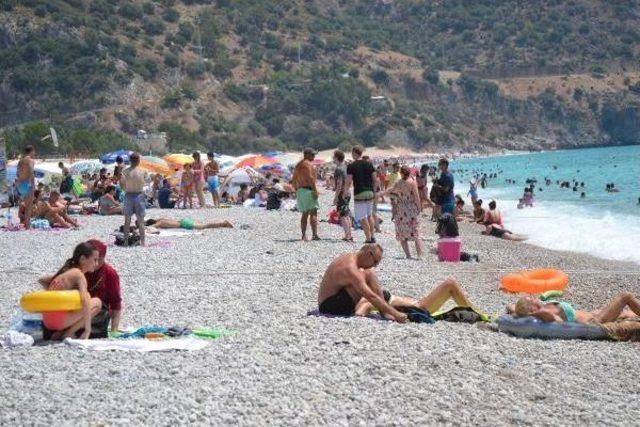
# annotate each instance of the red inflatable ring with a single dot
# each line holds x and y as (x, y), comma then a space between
(535, 281)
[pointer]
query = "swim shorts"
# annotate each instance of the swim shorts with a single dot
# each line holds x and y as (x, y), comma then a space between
(213, 183)
(342, 207)
(134, 203)
(25, 189)
(362, 209)
(305, 200)
(341, 304)
(187, 223)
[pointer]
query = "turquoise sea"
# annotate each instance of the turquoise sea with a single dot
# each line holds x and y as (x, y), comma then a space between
(604, 224)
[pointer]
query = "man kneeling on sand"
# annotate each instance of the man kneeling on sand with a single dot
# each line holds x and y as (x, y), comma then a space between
(350, 287)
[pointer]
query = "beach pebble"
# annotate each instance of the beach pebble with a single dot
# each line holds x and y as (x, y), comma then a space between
(283, 367)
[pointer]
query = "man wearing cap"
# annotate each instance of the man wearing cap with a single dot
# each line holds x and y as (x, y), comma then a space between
(104, 283)
(304, 182)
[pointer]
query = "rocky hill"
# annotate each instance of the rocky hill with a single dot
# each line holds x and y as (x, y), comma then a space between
(240, 75)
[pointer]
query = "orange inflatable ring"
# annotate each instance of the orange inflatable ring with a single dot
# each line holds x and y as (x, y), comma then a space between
(535, 281)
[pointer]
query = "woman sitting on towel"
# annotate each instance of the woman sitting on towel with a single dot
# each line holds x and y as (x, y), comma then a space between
(623, 307)
(186, 224)
(72, 277)
(107, 204)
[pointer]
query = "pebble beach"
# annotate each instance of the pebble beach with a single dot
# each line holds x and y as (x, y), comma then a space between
(282, 367)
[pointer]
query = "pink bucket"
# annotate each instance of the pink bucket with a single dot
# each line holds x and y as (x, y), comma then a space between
(449, 249)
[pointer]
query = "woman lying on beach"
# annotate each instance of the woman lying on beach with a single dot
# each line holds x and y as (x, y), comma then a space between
(623, 307)
(185, 223)
(502, 233)
(432, 302)
(72, 277)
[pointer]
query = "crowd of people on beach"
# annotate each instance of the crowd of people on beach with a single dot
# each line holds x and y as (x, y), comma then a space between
(349, 286)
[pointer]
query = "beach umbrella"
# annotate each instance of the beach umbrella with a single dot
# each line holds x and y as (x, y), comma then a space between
(318, 162)
(255, 161)
(111, 157)
(156, 165)
(85, 166)
(178, 159)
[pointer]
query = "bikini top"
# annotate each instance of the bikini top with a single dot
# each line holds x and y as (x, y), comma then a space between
(56, 284)
(569, 311)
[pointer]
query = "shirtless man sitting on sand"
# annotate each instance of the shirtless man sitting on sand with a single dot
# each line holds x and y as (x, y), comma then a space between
(350, 287)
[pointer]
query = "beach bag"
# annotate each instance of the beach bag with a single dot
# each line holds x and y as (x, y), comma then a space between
(334, 218)
(134, 240)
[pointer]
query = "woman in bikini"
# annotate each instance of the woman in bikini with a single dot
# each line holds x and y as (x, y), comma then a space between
(71, 277)
(187, 186)
(107, 204)
(198, 178)
(625, 306)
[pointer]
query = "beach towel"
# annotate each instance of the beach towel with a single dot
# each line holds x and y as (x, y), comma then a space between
(177, 233)
(140, 345)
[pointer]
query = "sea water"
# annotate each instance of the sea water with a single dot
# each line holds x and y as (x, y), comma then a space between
(603, 224)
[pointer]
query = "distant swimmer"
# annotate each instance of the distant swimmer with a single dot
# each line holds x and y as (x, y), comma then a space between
(583, 195)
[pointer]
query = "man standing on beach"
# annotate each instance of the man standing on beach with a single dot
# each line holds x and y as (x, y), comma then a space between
(444, 185)
(304, 182)
(132, 182)
(211, 171)
(26, 183)
(350, 283)
(362, 175)
(342, 197)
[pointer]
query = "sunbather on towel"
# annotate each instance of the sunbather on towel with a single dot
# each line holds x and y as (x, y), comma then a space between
(350, 287)
(186, 224)
(625, 306)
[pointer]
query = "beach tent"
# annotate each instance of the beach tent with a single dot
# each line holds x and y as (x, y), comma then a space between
(243, 175)
(111, 157)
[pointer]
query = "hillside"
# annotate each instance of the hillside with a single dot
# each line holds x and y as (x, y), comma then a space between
(240, 75)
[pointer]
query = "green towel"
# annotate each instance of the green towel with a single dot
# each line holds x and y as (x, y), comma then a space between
(212, 333)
